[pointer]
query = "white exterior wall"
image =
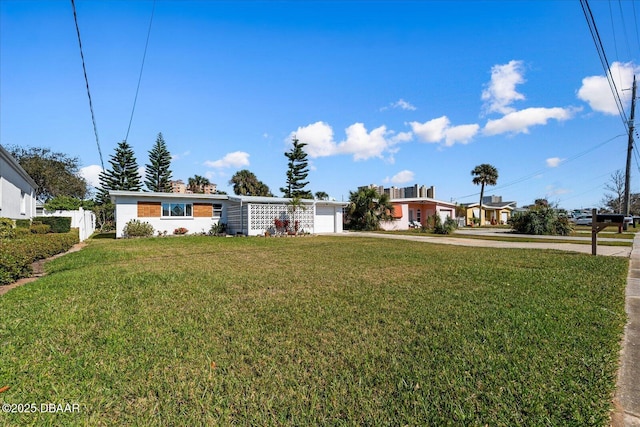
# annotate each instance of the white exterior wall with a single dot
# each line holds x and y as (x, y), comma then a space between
(17, 194)
(400, 223)
(83, 220)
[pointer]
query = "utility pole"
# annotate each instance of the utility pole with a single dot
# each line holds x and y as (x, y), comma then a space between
(627, 176)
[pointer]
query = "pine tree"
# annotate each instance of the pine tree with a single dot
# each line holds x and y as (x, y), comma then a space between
(123, 174)
(297, 172)
(157, 172)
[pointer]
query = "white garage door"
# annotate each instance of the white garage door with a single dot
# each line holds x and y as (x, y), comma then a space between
(444, 214)
(325, 220)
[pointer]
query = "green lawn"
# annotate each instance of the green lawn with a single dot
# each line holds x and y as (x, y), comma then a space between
(314, 331)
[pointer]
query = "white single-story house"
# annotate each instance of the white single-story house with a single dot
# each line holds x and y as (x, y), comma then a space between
(243, 215)
(17, 189)
(409, 212)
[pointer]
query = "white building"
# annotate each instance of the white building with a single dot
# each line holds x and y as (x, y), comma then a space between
(244, 215)
(17, 189)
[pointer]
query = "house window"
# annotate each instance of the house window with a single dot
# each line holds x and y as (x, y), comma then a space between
(176, 209)
(418, 216)
(217, 210)
(23, 203)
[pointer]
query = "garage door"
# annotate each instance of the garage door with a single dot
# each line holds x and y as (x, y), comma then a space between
(324, 221)
(444, 214)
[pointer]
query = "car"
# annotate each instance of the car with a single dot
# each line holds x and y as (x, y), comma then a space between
(584, 220)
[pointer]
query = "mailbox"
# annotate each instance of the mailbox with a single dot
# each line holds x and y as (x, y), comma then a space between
(610, 218)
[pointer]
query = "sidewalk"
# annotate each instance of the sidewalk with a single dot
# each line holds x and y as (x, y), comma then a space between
(627, 399)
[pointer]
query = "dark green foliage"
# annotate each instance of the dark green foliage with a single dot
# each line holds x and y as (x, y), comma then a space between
(367, 208)
(135, 228)
(157, 172)
(16, 255)
(56, 174)
(67, 203)
(447, 228)
(321, 195)
(245, 183)
(541, 219)
(23, 223)
(58, 224)
(123, 174)
(218, 229)
(105, 216)
(297, 172)
(197, 183)
(484, 174)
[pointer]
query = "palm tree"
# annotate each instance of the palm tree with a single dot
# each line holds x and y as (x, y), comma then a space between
(247, 184)
(367, 208)
(197, 184)
(321, 195)
(484, 174)
(295, 204)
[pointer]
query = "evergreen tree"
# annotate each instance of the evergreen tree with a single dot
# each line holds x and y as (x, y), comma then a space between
(157, 172)
(297, 172)
(123, 174)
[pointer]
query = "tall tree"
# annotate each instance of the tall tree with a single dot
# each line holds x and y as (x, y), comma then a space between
(245, 183)
(297, 172)
(484, 174)
(616, 186)
(367, 208)
(321, 195)
(123, 174)
(158, 174)
(56, 174)
(197, 183)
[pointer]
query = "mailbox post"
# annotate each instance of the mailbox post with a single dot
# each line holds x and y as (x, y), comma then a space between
(600, 222)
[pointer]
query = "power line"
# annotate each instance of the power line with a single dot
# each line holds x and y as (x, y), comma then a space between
(144, 55)
(86, 79)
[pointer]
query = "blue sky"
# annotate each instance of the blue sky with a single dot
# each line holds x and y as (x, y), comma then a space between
(387, 93)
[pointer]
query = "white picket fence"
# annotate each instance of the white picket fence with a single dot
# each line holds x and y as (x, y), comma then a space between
(83, 220)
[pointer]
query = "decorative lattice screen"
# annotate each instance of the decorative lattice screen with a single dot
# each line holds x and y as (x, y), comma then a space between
(263, 216)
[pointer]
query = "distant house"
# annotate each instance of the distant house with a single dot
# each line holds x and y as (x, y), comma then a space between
(243, 215)
(410, 212)
(17, 189)
(494, 211)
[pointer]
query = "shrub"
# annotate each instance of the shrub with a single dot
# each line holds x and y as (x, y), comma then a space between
(179, 231)
(446, 228)
(16, 255)
(135, 228)
(23, 223)
(58, 224)
(541, 220)
(40, 228)
(6, 228)
(218, 229)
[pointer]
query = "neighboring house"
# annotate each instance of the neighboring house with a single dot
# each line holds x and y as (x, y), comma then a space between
(244, 215)
(83, 220)
(494, 210)
(17, 189)
(413, 211)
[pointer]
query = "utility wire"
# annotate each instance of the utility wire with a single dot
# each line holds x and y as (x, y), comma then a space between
(144, 55)
(86, 79)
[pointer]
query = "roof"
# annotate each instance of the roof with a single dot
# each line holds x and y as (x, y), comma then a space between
(501, 205)
(200, 196)
(422, 200)
(13, 162)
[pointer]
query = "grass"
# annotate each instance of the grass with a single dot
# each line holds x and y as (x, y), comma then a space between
(314, 331)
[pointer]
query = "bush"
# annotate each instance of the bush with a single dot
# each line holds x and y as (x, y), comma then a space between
(446, 228)
(180, 231)
(58, 224)
(541, 220)
(6, 228)
(23, 223)
(135, 228)
(40, 228)
(16, 255)
(218, 229)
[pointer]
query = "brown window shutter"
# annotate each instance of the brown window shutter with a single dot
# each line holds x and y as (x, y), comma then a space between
(149, 209)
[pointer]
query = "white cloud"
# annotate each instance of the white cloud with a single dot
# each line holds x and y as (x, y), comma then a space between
(440, 130)
(91, 174)
(401, 104)
(236, 159)
(554, 162)
(179, 156)
(402, 177)
(596, 92)
(501, 90)
(520, 121)
(359, 142)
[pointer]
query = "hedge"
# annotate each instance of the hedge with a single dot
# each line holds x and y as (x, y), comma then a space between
(58, 224)
(17, 255)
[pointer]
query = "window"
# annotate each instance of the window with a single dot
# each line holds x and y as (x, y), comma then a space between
(217, 210)
(418, 216)
(176, 209)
